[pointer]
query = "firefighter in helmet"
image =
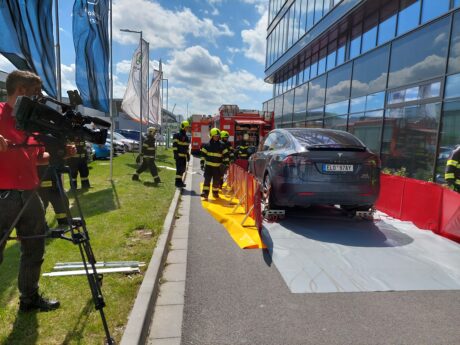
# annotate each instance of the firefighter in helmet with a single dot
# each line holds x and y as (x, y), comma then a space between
(148, 154)
(213, 155)
(78, 163)
(181, 145)
(243, 151)
(224, 135)
(452, 173)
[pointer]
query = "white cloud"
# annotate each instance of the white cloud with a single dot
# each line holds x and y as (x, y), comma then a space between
(255, 40)
(163, 28)
(261, 5)
(204, 82)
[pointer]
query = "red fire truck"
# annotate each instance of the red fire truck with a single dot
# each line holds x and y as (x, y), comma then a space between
(200, 131)
(243, 123)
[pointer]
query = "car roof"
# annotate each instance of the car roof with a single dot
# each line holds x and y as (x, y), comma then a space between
(329, 136)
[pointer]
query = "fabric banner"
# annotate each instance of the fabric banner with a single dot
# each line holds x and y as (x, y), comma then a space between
(92, 51)
(155, 98)
(27, 39)
(131, 103)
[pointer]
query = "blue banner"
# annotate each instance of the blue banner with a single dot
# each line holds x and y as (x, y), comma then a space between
(27, 38)
(91, 41)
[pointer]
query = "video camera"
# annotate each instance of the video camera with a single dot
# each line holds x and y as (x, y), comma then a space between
(40, 116)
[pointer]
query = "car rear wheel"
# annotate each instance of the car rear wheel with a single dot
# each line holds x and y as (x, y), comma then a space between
(267, 195)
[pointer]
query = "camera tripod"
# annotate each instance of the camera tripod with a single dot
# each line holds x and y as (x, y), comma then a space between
(75, 231)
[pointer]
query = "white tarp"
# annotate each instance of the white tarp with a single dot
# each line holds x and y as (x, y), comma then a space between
(344, 255)
(132, 98)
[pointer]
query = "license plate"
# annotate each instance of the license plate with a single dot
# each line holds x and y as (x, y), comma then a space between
(338, 167)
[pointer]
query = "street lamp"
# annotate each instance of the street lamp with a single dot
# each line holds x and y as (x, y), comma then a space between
(141, 98)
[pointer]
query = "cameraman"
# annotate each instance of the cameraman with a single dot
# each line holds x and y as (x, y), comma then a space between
(18, 181)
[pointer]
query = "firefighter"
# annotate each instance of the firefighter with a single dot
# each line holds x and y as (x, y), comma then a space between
(243, 151)
(231, 157)
(452, 174)
(181, 144)
(213, 155)
(78, 163)
(49, 193)
(147, 156)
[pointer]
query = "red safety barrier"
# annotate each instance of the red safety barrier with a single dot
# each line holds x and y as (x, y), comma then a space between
(428, 205)
(422, 204)
(243, 163)
(450, 216)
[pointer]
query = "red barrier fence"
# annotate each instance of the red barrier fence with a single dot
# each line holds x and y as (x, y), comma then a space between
(428, 205)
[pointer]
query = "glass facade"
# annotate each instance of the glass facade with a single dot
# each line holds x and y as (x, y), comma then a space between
(388, 72)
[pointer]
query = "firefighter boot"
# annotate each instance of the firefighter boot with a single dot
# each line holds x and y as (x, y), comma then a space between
(85, 184)
(215, 195)
(135, 177)
(205, 196)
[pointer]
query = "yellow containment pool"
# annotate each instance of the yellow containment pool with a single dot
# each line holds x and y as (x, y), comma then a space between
(223, 210)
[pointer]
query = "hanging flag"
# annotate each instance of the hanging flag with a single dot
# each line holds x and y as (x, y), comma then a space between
(131, 103)
(27, 39)
(155, 97)
(91, 41)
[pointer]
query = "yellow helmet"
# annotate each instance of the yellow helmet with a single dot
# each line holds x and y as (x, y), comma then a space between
(184, 124)
(151, 130)
(214, 131)
(224, 134)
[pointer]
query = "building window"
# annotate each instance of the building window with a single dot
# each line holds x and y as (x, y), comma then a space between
(415, 93)
(300, 106)
(370, 72)
(367, 126)
(408, 17)
(288, 106)
(413, 60)
(453, 88)
(434, 8)
(310, 15)
(454, 55)
(278, 110)
(387, 26)
(338, 84)
(316, 92)
(449, 137)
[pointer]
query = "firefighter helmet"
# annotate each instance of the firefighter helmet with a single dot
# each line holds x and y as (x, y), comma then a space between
(214, 131)
(184, 125)
(151, 130)
(224, 134)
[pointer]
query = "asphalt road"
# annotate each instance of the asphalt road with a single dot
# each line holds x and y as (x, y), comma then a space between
(235, 296)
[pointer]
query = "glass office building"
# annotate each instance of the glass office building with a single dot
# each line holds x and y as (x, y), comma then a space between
(387, 71)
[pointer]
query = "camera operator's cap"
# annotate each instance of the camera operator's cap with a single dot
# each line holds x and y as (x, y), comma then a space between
(214, 131)
(184, 124)
(224, 134)
(151, 130)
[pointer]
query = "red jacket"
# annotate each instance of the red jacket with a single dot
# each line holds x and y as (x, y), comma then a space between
(18, 166)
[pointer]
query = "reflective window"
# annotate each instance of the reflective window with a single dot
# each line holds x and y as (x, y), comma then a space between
(415, 93)
(355, 47)
(314, 123)
(318, 10)
(369, 40)
(331, 60)
(387, 26)
(410, 135)
(316, 92)
(453, 87)
(310, 14)
(454, 56)
(413, 60)
(370, 72)
(316, 114)
(456, 3)
(300, 103)
(336, 122)
(434, 8)
(375, 101)
(278, 110)
(314, 70)
(449, 136)
(408, 16)
(340, 55)
(358, 104)
(288, 106)
(322, 66)
(306, 73)
(367, 127)
(300, 14)
(338, 84)
(335, 109)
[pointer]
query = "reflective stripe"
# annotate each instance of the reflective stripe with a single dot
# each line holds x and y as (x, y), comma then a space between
(84, 179)
(182, 155)
(183, 143)
(205, 188)
(452, 162)
(60, 215)
(212, 154)
(178, 176)
(213, 164)
(46, 184)
(225, 151)
(457, 182)
(174, 148)
(175, 140)
(204, 150)
(148, 156)
(449, 175)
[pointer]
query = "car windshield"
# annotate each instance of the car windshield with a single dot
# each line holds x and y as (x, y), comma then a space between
(320, 139)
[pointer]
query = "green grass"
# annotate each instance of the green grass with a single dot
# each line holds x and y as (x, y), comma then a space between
(119, 216)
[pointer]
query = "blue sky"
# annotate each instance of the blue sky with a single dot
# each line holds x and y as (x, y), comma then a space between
(213, 51)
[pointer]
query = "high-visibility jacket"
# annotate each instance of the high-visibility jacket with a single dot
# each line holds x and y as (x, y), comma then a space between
(181, 144)
(214, 154)
(231, 151)
(242, 152)
(148, 146)
(452, 173)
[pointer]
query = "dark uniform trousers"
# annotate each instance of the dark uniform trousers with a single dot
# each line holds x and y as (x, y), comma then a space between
(214, 174)
(31, 223)
(213, 156)
(181, 144)
(79, 164)
(181, 164)
(49, 193)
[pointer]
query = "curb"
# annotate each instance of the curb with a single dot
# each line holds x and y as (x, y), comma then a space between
(137, 328)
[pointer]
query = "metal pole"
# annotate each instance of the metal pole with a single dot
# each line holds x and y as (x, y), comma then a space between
(141, 98)
(58, 53)
(111, 94)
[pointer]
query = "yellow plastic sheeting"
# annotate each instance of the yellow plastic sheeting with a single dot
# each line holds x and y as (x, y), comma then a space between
(246, 236)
